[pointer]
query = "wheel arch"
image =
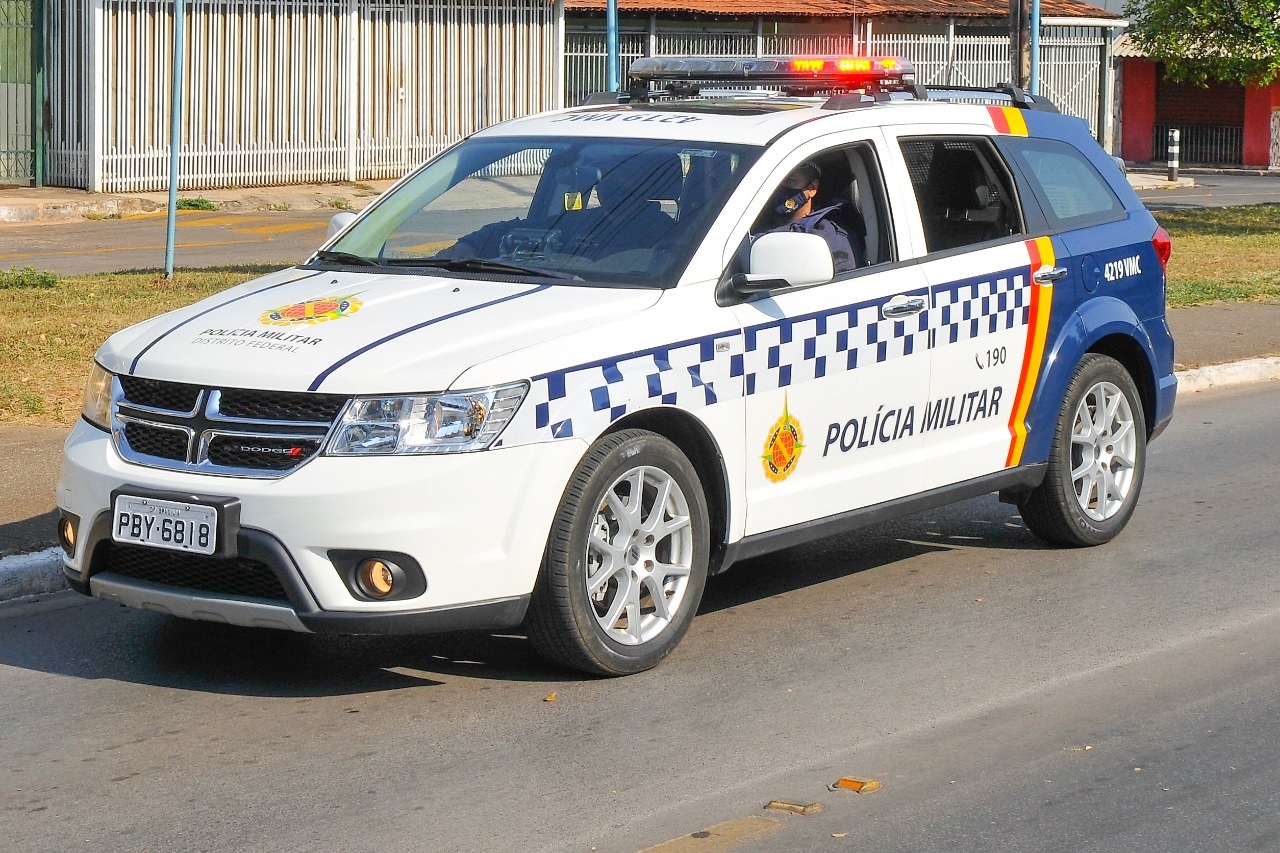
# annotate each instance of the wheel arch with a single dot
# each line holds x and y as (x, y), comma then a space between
(698, 444)
(1126, 350)
(1106, 326)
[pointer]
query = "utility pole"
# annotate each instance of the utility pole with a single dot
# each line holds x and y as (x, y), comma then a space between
(38, 108)
(613, 82)
(175, 131)
(1020, 42)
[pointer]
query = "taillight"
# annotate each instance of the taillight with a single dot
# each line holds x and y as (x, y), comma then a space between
(1163, 246)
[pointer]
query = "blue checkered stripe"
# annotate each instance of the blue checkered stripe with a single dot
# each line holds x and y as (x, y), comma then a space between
(970, 309)
(583, 400)
(801, 349)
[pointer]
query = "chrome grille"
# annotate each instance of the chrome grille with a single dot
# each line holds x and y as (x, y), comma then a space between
(274, 406)
(231, 431)
(160, 441)
(276, 454)
(154, 394)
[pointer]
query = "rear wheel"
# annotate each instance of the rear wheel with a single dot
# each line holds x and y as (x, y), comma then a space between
(1097, 459)
(626, 561)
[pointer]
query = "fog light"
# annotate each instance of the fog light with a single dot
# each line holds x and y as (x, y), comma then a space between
(67, 536)
(376, 578)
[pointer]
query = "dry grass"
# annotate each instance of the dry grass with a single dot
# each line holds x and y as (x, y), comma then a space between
(1227, 254)
(48, 335)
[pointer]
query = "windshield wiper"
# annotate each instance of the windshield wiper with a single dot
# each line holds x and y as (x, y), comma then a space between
(476, 265)
(346, 258)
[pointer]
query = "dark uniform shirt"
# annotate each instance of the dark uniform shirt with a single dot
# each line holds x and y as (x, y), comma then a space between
(848, 244)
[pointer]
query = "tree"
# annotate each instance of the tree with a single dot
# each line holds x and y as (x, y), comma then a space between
(1204, 40)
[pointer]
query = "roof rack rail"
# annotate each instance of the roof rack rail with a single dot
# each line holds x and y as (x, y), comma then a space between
(1018, 97)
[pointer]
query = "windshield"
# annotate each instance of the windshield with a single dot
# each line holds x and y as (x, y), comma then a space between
(627, 212)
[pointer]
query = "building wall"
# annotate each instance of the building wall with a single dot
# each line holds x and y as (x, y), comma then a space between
(1138, 105)
(1257, 125)
(1147, 100)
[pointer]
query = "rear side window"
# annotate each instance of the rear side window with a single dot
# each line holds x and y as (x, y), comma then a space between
(1069, 188)
(963, 189)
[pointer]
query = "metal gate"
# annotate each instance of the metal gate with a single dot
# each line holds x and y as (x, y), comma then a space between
(287, 91)
(17, 78)
(1072, 59)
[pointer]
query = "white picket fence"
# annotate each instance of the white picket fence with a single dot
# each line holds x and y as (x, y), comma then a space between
(287, 91)
(1072, 59)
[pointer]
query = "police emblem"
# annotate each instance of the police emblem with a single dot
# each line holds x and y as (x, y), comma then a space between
(312, 311)
(782, 448)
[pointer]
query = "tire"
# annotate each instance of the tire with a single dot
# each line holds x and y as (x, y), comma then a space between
(620, 583)
(1097, 459)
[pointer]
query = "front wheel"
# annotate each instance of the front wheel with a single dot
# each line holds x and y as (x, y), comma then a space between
(626, 561)
(1097, 459)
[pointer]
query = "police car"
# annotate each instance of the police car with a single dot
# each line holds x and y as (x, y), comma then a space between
(581, 361)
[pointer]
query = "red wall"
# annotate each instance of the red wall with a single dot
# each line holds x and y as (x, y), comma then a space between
(1257, 126)
(1138, 105)
(1138, 108)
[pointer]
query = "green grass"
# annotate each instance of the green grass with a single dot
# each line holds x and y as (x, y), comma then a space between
(27, 278)
(1225, 254)
(196, 203)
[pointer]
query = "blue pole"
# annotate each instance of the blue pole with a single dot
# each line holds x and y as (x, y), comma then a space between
(613, 81)
(1035, 47)
(175, 131)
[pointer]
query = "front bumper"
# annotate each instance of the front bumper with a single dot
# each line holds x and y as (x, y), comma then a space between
(475, 523)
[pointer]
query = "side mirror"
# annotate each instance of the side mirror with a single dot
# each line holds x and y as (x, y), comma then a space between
(339, 223)
(785, 259)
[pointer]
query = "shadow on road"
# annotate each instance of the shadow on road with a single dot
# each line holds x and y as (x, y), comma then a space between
(95, 640)
(981, 523)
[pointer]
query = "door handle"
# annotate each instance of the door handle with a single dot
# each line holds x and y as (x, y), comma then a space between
(1048, 275)
(904, 308)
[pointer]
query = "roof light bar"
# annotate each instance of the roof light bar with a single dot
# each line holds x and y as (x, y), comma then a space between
(812, 72)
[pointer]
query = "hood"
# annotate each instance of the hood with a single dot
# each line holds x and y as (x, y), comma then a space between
(357, 333)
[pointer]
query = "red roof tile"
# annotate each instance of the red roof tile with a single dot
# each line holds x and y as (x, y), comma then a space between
(845, 8)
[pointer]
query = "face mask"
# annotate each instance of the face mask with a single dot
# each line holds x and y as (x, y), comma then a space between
(786, 201)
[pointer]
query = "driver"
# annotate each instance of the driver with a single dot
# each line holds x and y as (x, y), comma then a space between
(790, 208)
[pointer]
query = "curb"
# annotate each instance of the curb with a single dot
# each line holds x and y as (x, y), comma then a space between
(1228, 375)
(33, 210)
(31, 574)
(39, 572)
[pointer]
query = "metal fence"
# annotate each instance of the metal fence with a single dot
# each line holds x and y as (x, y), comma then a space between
(287, 91)
(1201, 143)
(280, 91)
(1072, 59)
(17, 144)
(1275, 138)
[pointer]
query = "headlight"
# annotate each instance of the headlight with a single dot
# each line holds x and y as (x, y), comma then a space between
(425, 423)
(97, 398)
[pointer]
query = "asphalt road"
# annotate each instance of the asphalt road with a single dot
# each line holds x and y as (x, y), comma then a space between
(1216, 191)
(1008, 696)
(202, 239)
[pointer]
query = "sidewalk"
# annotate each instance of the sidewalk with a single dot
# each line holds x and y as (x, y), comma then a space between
(40, 204)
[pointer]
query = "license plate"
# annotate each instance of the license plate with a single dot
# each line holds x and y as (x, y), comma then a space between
(175, 525)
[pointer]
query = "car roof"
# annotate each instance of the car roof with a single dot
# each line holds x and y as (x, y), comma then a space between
(753, 120)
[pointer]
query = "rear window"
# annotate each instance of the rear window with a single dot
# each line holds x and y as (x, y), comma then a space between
(1069, 188)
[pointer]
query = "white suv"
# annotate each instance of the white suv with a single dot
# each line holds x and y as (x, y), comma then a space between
(580, 361)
